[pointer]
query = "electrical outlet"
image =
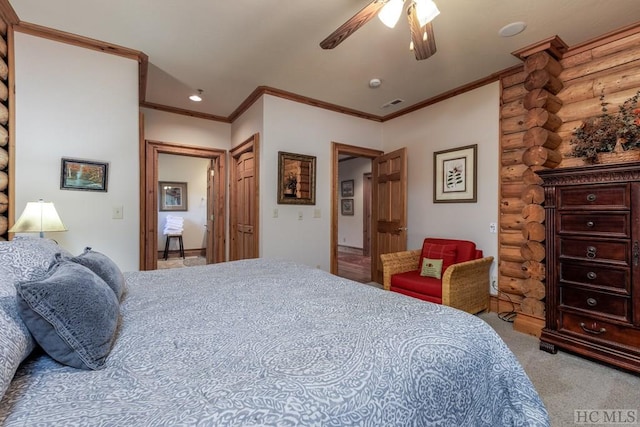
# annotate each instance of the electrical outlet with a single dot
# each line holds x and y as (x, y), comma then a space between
(275, 212)
(117, 212)
(299, 215)
(493, 227)
(494, 284)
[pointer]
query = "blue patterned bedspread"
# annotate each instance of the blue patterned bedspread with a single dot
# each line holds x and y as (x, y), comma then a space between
(263, 342)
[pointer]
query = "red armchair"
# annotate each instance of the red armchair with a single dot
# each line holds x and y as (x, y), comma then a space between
(464, 282)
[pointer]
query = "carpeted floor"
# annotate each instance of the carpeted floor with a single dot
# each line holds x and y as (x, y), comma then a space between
(566, 382)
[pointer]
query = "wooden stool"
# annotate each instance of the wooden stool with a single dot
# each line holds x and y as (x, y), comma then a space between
(168, 241)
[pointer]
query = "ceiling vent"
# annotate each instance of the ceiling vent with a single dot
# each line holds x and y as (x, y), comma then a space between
(393, 103)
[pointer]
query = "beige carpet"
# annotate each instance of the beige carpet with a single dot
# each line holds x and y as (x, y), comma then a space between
(566, 382)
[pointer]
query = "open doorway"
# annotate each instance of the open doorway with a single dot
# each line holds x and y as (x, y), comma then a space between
(150, 197)
(354, 218)
(183, 210)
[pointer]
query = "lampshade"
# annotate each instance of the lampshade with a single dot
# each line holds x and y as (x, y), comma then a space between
(426, 11)
(390, 13)
(38, 217)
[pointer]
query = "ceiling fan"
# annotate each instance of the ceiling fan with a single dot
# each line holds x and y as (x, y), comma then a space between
(420, 13)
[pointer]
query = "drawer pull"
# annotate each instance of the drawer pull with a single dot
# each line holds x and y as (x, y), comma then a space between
(591, 197)
(591, 275)
(591, 302)
(590, 224)
(592, 331)
(591, 251)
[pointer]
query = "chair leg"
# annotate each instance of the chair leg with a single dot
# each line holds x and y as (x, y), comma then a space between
(181, 246)
(166, 248)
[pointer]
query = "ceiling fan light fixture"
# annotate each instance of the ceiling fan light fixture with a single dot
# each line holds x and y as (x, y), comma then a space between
(196, 97)
(426, 11)
(390, 12)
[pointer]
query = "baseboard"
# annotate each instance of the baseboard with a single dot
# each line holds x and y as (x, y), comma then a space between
(187, 253)
(350, 250)
(524, 323)
(528, 324)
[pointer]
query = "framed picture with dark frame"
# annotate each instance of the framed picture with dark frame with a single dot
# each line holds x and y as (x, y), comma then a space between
(455, 174)
(346, 188)
(296, 179)
(84, 175)
(173, 196)
(346, 207)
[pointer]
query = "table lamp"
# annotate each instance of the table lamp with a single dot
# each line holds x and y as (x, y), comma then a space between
(38, 217)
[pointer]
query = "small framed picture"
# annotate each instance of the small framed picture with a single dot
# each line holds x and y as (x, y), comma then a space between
(83, 175)
(346, 188)
(346, 207)
(455, 174)
(173, 196)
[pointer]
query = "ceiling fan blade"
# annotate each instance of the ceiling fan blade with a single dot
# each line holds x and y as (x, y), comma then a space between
(422, 48)
(358, 20)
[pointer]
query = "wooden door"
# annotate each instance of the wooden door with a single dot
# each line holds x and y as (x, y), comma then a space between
(245, 179)
(210, 213)
(389, 207)
(243, 201)
(366, 214)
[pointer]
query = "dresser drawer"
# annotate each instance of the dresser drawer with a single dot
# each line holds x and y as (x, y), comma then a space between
(613, 306)
(592, 223)
(616, 279)
(599, 331)
(616, 251)
(608, 196)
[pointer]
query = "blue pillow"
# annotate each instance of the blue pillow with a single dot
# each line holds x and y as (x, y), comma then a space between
(72, 314)
(104, 267)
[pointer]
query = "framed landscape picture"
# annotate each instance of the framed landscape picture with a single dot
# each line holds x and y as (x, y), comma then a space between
(83, 175)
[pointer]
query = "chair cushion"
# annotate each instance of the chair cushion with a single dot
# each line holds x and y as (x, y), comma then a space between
(447, 253)
(413, 281)
(465, 250)
(412, 294)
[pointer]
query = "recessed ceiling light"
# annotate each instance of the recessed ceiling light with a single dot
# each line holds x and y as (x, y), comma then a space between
(512, 29)
(196, 97)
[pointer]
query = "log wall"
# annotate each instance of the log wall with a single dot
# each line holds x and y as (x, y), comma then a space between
(541, 105)
(4, 132)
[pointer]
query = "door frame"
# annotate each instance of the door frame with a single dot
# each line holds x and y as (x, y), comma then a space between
(150, 150)
(251, 144)
(338, 149)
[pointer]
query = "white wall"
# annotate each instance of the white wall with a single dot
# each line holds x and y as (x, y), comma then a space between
(299, 128)
(178, 129)
(80, 103)
(350, 227)
(469, 118)
(193, 171)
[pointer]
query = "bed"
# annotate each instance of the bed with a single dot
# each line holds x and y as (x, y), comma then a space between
(269, 342)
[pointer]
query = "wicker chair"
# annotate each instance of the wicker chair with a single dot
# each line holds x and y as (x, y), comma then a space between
(464, 285)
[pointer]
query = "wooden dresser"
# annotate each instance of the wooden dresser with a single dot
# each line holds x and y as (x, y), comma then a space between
(592, 261)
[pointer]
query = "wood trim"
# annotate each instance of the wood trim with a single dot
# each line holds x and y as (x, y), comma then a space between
(552, 45)
(143, 73)
(183, 112)
(80, 41)
(142, 210)
(601, 40)
(266, 90)
(148, 184)
(7, 13)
